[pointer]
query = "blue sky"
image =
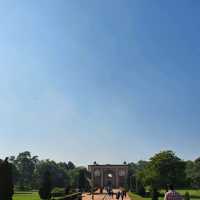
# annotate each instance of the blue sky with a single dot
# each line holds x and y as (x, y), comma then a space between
(99, 80)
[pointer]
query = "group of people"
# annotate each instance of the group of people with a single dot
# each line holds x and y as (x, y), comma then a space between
(121, 194)
(171, 194)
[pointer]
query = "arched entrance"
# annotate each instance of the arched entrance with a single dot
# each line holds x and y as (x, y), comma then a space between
(114, 176)
(109, 178)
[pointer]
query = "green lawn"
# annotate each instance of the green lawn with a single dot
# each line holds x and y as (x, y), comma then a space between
(26, 196)
(195, 195)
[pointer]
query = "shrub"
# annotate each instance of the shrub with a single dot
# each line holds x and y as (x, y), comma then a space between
(187, 196)
(68, 190)
(46, 187)
(58, 192)
(140, 189)
(154, 194)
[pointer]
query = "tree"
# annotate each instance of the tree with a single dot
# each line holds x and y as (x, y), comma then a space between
(15, 172)
(154, 194)
(46, 186)
(6, 180)
(132, 169)
(189, 170)
(140, 189)
(135, 173)
(59, 173)
(164, 168)
(70, 165)
(193, 173)
(82, 180)
(141, 165)
(196, 173)
(25, 165)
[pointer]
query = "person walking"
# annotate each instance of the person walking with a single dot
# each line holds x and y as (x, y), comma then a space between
(112, 193)
(172, 194)
(118, 195)
(122, 195)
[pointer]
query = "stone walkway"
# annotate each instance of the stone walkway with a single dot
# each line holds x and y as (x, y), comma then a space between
(104, 196)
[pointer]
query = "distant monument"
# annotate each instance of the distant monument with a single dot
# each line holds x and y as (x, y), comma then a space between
(114, 176)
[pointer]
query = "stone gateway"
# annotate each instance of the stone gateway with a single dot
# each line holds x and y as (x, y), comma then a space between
(114, 176)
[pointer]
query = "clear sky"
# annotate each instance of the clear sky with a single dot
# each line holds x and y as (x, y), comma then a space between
(99, 80)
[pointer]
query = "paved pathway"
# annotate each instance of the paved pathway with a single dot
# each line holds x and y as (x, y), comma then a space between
(104, 196)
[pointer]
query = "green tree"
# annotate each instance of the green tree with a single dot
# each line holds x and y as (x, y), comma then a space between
(154, 194)
(196, 173)
(25, 165)
(83, 183)
(141, 165)
(189, 173)
(15, 172)
(140, 189)
(132, 169)
(164, 168)
(70, 165)
(193, 173)
(135, 173)
(6, 180)
(46, 186)
(59, 172)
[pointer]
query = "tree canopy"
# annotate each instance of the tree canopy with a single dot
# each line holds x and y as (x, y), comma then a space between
(165, 168)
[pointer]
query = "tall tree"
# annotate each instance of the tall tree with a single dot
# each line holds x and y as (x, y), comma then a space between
(83, 180)
(132, 170)
(165, 168)
(46, 186)
(196, 173)
(26, 165)
(59, 172)
(6, 180)
(70, 165)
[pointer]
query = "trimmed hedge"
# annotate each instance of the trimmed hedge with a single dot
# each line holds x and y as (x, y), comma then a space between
(58, 192)
(75, 196)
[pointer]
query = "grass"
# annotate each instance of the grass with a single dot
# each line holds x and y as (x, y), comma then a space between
(32, 195)
(26, 196)
(134, 196)
(195, 195)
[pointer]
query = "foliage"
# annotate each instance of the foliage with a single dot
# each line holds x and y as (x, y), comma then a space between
(24, 169)
(83, 183)
(6, 180)
(140, 189)
(164, 168)
(193, 173)
(46, 186)
(154, 194)
(135, 173)
(28, 170)
(57, 192)
(187, 196)
(59, 173)
(70, 165)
